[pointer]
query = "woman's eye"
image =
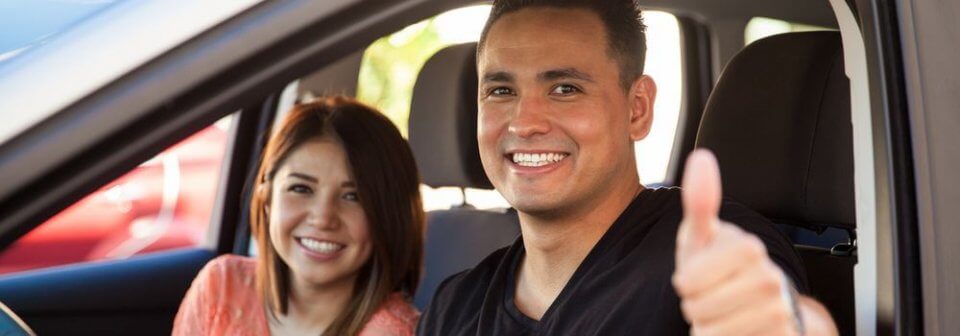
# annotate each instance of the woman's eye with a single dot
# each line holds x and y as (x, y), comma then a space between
(565, 89)
(300, 189)
(351, 196)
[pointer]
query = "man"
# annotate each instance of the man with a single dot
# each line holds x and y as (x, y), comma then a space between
(562, 98)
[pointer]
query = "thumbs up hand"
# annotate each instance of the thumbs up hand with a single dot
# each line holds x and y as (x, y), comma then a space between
(726, 281)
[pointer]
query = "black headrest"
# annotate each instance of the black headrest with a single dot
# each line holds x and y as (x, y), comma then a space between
(443, 120)
(779, 123)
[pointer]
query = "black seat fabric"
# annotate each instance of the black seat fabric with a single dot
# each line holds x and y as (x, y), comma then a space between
(780, 119)
(779, 122)
(443, 135)
(443, 120)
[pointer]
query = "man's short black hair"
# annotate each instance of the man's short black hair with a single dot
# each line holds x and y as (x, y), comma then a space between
(626, 37)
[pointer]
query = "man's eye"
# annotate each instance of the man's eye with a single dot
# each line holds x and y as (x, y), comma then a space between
(300, 189)
(351, 196)
(501, 91)
(565, 89)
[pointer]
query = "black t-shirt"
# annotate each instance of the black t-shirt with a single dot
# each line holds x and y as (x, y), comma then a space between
(622, 287)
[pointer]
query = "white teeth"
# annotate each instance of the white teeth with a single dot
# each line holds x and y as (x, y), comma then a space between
(537, 160)
(320, 246)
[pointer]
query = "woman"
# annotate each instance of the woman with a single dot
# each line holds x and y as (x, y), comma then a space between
(338, 221)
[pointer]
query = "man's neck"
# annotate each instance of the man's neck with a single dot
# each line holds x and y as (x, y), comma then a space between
(556, 247)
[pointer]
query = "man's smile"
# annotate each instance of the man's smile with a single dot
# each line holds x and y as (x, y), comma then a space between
(536, 159)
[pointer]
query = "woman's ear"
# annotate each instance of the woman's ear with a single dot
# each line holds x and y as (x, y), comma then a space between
(642, 94)
(263, 192)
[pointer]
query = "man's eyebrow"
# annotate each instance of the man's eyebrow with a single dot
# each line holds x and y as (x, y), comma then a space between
(303, 177)
(565, 73)
(498, 76)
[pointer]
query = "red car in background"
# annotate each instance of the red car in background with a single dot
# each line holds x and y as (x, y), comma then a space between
(162, 204)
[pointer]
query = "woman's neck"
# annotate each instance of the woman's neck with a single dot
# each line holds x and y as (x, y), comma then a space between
(311, 309)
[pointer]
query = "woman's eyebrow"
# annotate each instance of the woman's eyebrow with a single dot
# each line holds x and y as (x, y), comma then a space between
(303, 176)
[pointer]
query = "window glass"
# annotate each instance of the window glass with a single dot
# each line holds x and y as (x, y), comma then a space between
(390, 66)
(164, 203)
(27, 23)
(760, 27)
(663, 64)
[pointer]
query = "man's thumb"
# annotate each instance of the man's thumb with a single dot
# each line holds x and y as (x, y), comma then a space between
(701, 199)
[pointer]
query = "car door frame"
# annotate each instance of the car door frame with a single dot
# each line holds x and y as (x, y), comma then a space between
(144, 292)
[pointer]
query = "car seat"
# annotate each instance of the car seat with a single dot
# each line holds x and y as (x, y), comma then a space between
(779, 122)
(443, 135)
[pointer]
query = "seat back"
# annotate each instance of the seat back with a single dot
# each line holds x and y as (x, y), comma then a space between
(779, 122)
(443, 135)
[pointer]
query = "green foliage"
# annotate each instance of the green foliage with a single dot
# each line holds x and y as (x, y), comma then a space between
(390, 66)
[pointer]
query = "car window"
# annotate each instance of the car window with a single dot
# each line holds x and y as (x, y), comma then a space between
(110, 41)
(760, 27)
(663, 64)
(164, 203)
(390, 66)
(27, 23)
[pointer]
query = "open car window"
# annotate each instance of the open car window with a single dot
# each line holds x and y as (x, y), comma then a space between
(164, 203)
(760, 27)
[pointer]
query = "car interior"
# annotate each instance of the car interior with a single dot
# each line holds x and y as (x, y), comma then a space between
(777, 113)
(443, 129)
(796, 168)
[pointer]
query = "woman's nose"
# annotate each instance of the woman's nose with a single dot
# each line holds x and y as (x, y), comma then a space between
(323, 214)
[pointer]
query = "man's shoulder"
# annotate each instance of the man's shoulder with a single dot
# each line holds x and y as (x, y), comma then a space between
(668, 201)
(473, 281)
(778, 245)
(458, 300)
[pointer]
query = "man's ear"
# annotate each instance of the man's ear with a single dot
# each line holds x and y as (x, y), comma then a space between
(642, 94)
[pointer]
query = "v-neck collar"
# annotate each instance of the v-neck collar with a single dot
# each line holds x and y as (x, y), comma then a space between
(598, 250)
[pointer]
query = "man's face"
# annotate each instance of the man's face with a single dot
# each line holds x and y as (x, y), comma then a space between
(556, 128)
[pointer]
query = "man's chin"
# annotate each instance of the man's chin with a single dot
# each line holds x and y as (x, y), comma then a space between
(540, 207)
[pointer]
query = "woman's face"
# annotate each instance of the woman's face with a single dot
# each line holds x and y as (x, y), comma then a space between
(317, 224)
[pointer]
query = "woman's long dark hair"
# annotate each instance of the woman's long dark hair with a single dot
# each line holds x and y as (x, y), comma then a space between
(388, 188)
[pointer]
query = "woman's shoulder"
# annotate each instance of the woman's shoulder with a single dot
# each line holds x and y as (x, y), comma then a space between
(221, 298)
(232, 263)
(228, 268)
(396, 316)
(397, 306)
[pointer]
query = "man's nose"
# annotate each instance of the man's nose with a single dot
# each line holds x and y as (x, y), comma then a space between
(530, 117)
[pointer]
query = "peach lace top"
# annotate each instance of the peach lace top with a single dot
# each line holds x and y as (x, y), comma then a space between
(223, 300)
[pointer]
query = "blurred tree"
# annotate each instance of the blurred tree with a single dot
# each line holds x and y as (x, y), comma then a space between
(390, 67)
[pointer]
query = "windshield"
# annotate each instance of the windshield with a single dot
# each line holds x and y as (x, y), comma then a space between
(25, 24)
(55, 52)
